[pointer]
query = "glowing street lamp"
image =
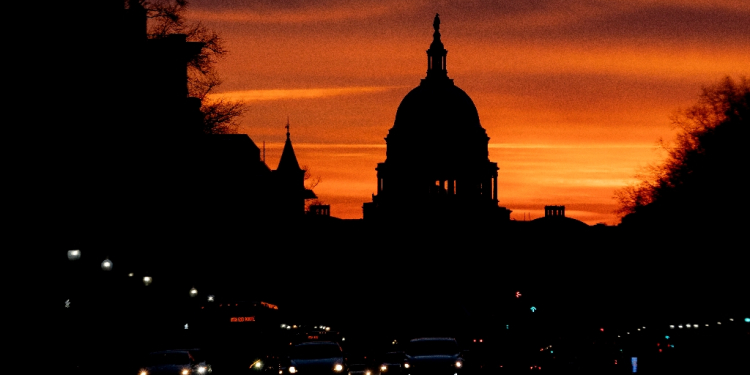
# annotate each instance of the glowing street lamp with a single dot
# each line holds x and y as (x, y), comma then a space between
(107, 265)
(211, 298)
(147, 280)
(74, 254)
(193, 292)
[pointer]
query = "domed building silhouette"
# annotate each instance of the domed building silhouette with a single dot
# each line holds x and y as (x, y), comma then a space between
(437, 160)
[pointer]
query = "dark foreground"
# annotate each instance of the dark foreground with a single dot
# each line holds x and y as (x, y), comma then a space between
(583, 296)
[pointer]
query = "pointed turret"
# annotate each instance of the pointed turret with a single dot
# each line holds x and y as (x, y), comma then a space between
(288, 162)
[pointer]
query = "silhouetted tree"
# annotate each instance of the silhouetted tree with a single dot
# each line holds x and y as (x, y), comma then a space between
(168, 17)
(701, 181)
(310, 183)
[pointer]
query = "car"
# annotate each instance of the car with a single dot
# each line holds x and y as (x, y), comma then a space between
(177, 362)
(360, 368)
(390, 363)
(315, 357)
(433, 356)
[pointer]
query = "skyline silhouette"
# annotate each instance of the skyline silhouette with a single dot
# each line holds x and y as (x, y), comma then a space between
(143, 219)
(574, 97)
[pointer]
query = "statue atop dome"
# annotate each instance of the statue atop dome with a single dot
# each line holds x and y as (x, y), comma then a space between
(436, 54)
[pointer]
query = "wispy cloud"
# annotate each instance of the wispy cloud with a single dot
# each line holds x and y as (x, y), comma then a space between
(292, 94)
(569, 146)
(309, 12)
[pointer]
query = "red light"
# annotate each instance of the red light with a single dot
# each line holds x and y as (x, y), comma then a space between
(659, 350)
(601, 329)
(615, 361)
(475, 340)
(480, 340)
(658, 344)
(518, 294)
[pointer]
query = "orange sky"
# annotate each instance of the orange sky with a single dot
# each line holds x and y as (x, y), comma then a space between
(573, 94)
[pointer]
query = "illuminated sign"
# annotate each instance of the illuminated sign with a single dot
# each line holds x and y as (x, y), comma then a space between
(533, 308)
(634, 363)
(312, 337)
(269, 305)
(518, 294)
(242, 319)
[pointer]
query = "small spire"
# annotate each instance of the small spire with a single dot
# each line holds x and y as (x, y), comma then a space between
(288, 160)
(436, 23)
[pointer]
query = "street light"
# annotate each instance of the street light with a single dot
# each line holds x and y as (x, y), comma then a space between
(74, 254)
(107, 265)
(147, 280)
(193, 292)
(211, 298)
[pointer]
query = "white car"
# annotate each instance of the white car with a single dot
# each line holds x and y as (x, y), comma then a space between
(175, 362)
(433, 356)
(316, 358)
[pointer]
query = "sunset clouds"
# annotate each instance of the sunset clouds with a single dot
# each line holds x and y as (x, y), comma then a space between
(291, 94)
(574, 94)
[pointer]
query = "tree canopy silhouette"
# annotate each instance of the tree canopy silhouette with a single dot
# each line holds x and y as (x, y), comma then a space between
(700, 183)
(168, 17)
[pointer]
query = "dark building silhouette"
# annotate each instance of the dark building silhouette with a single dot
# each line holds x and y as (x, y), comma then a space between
(554, 211)
(320, 210)
(139, 160)
(555, 219)
(437, 161)
(289, 183)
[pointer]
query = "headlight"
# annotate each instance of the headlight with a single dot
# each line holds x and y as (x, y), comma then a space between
(338, 368)
(407, 365)
(292, 370)
(185, 371)
(143, 372)
(202, 370)
(368, 373)
(458, 364)
(383, 368)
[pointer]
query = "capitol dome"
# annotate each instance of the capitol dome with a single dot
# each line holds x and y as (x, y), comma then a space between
(437, 163)
(437, 120)
(437, 107)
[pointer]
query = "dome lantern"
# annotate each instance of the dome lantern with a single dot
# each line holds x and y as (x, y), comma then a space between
(436, 55)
